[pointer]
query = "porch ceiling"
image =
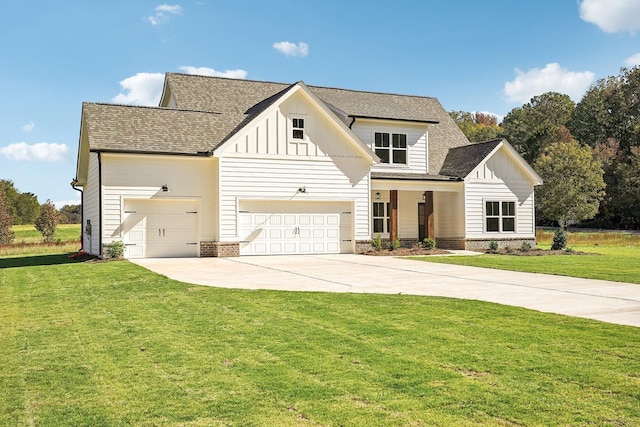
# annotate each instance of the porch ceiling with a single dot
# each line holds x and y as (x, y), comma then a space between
(416, 185)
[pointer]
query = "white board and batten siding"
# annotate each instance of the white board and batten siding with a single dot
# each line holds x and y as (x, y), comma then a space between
(499, 179)
(417, 144)
(264, 162)
(130, 180)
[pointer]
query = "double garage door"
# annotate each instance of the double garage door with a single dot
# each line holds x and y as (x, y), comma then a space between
(160, 228)
(278, 228)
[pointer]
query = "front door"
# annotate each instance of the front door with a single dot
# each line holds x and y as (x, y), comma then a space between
(421, 227)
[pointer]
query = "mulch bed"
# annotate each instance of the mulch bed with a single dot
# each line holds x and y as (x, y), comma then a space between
(418, 251)
(536, 252)
(414, 251)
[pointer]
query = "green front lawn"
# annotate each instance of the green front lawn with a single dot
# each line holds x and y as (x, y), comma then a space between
(111, 343)
(617, 263)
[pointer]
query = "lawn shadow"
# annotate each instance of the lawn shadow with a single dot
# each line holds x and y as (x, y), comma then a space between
(38, 260)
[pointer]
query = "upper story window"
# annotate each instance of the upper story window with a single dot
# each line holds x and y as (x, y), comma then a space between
(500, 216)
(391, 147)
(298, 129)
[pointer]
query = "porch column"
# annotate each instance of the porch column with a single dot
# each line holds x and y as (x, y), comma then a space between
(393, 215)
(428, 215)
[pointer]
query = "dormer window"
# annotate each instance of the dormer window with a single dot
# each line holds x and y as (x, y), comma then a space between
(391, 147)
(298, 128)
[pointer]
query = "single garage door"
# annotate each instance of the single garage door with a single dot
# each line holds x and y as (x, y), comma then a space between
(160, 228)
(279, 228)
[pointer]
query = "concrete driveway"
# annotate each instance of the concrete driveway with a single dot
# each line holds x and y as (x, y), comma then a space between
(594, 299)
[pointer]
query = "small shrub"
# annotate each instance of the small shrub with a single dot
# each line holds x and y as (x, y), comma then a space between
(526, 246)
(115, 249)
(570, 250)
(428, 243)
(559, 240)
(48, 221)
(493, 245)
(508, 249)
(376, 242)
(395, 244)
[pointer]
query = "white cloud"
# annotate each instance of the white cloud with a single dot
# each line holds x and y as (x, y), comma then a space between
(161, 13)
(63, 203)
(291, 49)
(42, 151)
(141, 89)
(205, 71)
(612, 16)
(550, 78)
(29, 126)
(633, 60)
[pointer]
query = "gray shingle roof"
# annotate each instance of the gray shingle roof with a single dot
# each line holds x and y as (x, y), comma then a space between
(461, 161)
(208, 110)
(152, 130)
(240, 96)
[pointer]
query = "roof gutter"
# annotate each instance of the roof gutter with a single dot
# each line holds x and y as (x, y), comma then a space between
(392, 119)
(74, 183)
(156, 153)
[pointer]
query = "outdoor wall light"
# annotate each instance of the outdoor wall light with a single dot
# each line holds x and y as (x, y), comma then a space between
(377, 195)
(424, 196)
(165, 189)
(302, 190)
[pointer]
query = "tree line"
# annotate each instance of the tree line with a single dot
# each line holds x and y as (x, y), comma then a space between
(587, 153)
(17, 208)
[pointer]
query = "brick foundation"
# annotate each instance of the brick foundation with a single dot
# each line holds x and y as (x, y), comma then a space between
(482, 244)
(365, 245)
(452, 244)
(219, 249)
(362, 246)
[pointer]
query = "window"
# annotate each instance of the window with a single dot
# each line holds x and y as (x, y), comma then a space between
(500, 216)
(298, 129)
(381, 218)
(391, 148)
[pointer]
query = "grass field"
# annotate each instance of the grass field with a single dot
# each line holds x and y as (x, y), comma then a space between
(615, 256)
(28, 241)
(110, 343)
(29, 234)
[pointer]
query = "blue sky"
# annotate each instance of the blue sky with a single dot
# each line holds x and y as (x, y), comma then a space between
(487, 56)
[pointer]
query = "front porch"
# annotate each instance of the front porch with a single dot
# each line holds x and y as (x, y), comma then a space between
(410, 208)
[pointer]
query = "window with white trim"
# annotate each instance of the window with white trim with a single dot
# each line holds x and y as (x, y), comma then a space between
(391, 147)
(297, 126)
(500, 216)
(381, 218)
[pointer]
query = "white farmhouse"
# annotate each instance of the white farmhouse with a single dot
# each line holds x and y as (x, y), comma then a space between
(226, 167)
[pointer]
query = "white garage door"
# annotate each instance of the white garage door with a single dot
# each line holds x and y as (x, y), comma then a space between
(160, 228)
(295, 228)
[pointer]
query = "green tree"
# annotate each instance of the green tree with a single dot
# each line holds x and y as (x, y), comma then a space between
(477, 127)
(70, 214)
(6, 221)
(24, 207)
(608, 119)
(48, 220)
(573, 182)
(539, 123)
(610, 110)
